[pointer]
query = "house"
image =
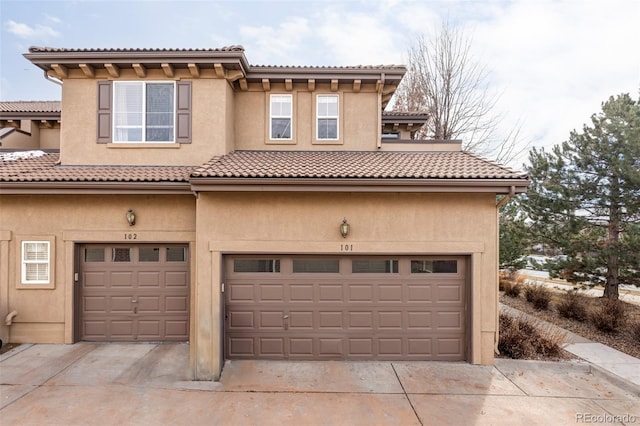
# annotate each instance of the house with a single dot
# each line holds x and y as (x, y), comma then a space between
(252, 211)
(30, 125)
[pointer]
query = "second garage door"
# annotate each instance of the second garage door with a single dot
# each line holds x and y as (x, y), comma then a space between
(304, 307)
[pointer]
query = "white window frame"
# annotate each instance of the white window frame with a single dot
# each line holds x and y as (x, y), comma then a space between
(272, 115)
(24, 262)
(324, 117)
(143, 126)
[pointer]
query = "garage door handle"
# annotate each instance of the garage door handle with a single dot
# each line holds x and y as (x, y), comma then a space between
(285, 316)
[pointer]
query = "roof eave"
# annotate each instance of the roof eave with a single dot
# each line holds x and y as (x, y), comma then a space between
(497, 186)
(116, 188)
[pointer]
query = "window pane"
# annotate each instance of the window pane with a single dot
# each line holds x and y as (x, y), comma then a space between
(149, 254)
(121, 255)
(36, 251)
(281, 128)
(37, 271)
(316, 265)
(176, 254)
(327, 128)
(374, 266)
(94, 255)
(434, 266)
(159, 114)
(127, 111)
(256, 265)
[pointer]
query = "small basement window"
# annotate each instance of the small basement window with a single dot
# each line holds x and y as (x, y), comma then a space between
(256, 265)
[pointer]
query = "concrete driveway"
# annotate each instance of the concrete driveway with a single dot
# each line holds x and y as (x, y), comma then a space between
(147, 384)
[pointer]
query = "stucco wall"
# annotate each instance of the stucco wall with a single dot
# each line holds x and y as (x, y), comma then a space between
(358, 125)
(210, 109)
(381, 223)
(45, 314)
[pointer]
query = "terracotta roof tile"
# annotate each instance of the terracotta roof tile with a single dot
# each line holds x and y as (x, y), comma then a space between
(30, 106)
(353, 164)
(233, 48)
(38, 166)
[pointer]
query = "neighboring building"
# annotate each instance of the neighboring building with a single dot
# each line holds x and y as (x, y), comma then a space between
(29, 125)
(198, 198)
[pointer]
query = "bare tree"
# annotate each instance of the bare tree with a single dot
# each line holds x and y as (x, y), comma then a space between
(445, 81)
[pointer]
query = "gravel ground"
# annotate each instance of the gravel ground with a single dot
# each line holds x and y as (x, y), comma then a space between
(623, 340)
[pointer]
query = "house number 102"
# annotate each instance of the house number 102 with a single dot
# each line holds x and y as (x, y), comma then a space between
(130, 236)
(346, 247)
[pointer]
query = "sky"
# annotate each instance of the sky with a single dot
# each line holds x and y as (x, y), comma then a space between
(550, 62)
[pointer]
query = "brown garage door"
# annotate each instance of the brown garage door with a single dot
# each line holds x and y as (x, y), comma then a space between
(410, 308)
(134, 292)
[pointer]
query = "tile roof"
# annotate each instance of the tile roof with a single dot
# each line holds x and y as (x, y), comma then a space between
(38, 166)
(354, 165)
(30, 106)
(232, 48)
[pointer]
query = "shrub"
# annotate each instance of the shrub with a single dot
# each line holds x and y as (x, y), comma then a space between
(572, 306)
(608, 315)
(521, 339)
(512, 289)
(635, 330)
(538, 296)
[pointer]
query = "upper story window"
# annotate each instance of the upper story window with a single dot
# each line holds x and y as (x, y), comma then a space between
(281, 116)
(143, 111)
(327, 117)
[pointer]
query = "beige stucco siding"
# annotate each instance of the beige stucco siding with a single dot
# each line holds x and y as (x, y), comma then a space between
(45, 313)
(381, 223)
(211, 105)
(358, 126)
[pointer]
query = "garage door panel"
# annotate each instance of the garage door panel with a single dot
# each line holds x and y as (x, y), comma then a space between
(390, 293)
(241, 347)
(330, 319)
(330, 346)
(270, 320)
(176, 304)
(176, 279)
(120, 304)
(360, 293)
(241, 293)
(133, 293)
(271, 346)
(301, 320)
(241, 320)
(419, 293)
(330, 293)
(301, 293)
(271, 293)
(361, 347)
(97, 279)
(387, 313)
(302, 347)
(149, 304)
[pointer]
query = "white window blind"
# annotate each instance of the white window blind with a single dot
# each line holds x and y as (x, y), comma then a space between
(281, 116)
(327, 117)
(35, 262)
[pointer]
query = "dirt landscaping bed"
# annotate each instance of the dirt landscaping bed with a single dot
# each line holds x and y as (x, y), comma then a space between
(624, 339)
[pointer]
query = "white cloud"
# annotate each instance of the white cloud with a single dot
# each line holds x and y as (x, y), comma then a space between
(39, 32)
(269, 45)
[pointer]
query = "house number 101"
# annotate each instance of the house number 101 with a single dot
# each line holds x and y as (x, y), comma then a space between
(130, 236)
(346, 247)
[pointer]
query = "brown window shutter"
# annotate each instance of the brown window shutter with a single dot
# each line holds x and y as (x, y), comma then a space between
(104, 111)
(183, 112)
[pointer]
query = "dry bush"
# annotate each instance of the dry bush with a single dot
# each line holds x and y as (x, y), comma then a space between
(512, 289)
(608, 315)
(522, 339)
(635, 330)
(572, 306)
(538, 296)
(511, 282)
